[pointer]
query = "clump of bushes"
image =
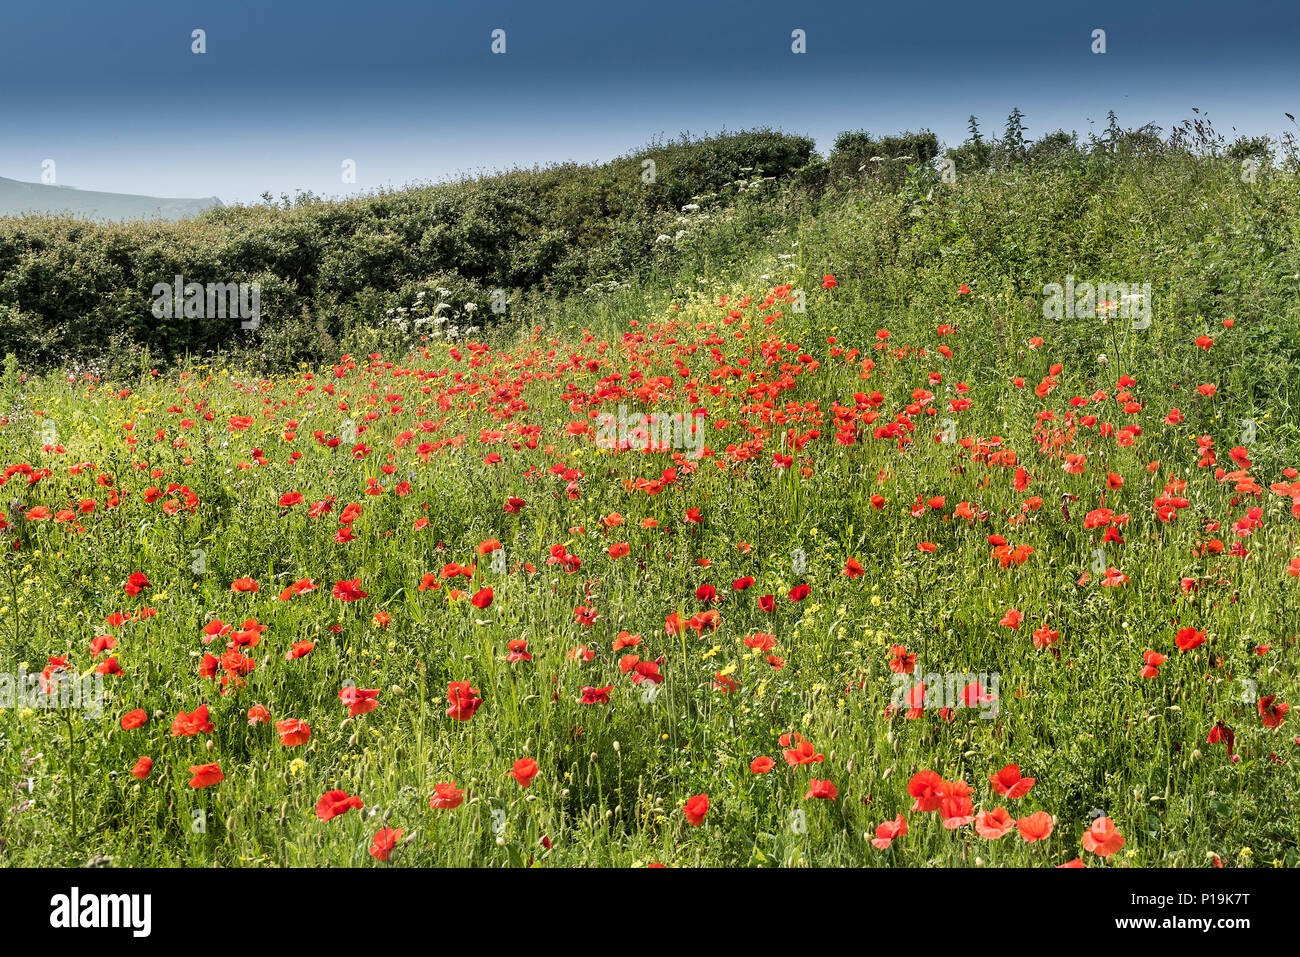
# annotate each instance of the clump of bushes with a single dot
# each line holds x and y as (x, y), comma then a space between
(70, 287)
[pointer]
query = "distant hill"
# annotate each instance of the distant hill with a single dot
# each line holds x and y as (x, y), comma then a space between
(18, 199)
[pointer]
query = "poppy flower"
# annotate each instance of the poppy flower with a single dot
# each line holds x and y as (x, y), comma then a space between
(384, 842)
(205, 775)
(956, 807)
(803, 753)
(1035, 827)
(1009, 784)
(695, 808)
(482, 598)
(134, 719)
(1272, 713)
(359, 700)
(142, 768)
(1102, 838)
(888, 831)
(188, 725)
(762, 765)
(334, 803)
(595, 695)
(901, 661)
(821, 789)
(925, 787)
(136, 583)
(1153, 661)
(992, 826)
(293, 732)
(1012, 619)
(1045, 637)
(348, 591)
(446, 796)
(243, 585)
(1222, 733)
(524, 770)
(625, 640)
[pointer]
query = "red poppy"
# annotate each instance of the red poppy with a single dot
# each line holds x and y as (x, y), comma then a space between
(595, 695)
(334, 803)
(348, 591)
(821, 789)
(803, 753)
(994, 825)
(888, 831)
(1009, 783)
(464, 700)
(384, 842)
(695, 808)
(188, 725)
(446, 796)
(1272, 713)
(1102, 838)
(293, 732)
(205, 775)
(359, 700)
(925, 787)
(1035, 827)
(523, 771)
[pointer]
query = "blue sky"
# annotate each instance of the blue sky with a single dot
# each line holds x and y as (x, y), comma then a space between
(412, 92)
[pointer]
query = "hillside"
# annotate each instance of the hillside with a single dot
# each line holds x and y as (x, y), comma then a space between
(23, 199)
(877, 519)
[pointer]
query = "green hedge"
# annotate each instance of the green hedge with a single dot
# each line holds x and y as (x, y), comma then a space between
(72, 290)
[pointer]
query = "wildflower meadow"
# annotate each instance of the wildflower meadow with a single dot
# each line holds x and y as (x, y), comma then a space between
(760, 500)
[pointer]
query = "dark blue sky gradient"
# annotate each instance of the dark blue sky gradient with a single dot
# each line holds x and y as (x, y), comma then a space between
(411, 92)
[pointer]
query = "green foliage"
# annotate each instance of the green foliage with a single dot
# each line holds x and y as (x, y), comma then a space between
(68, 286)
(857, 156)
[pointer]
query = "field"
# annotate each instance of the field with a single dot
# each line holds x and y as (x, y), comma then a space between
(911, 571)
